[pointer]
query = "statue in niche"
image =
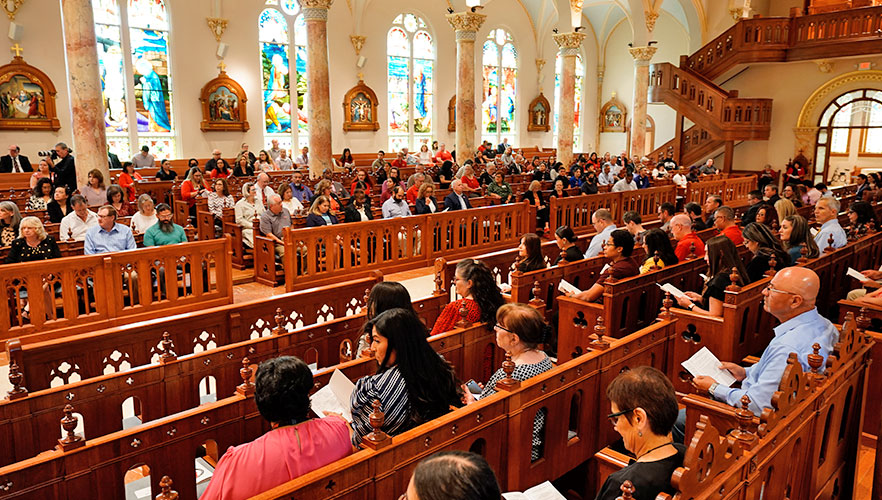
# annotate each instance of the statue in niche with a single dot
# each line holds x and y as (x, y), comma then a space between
(613, 116)
(539, 110)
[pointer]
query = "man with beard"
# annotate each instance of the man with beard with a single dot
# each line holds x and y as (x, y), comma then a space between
(165, 231)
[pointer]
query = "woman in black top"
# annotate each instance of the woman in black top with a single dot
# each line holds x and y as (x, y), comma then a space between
(860, 214)
(560, 187)
(445, 175)
(534, 196)
(243, 168)
(760, 240)
(530, 254)
(10, 218)
(566, 241)
(165, 172)
(33, 244)
(589, 186)
(722, 256)
(359, 204)
(643, 410)
(59, 206)
(425, 202)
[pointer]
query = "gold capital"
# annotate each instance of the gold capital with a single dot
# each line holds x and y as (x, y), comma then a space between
(466, 21)
(642, 55)
(569, 40)
(316, 4)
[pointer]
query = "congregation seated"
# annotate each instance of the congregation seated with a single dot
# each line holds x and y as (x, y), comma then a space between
(33, 243)
(362, 181)
(499, 189)
(337, 188)
(220, 198)
(754, 202)
(694, 211)
(75, 224)
(424, 157)
(41, 172)
(617, 249)
(243, 168)
(456, 200)
(559, 187)
(566, 241)
(795, 235)
(666, 212)
(193, 187)
(345, 161)
(10, 218)
(530, 254)
(634, 225)
(425, 201)
(108, 235)
(117, 199)
(95, 192)
(789, 193)
(643, 410)
(724, 222)
(264, 189)
(164, 231)
(625, 183)
(126, 181)
(860, 215)
(60, 206)
(15, 161)
(222, 171)
(481, 297)
(520, 330)
(383, 296)
(534, 196)
(166, 172)
(396, 205)
(295, 445)
(41, 195)
(659, 252)
(766, 215)
(145, 216)
(453, 475)
(683, 231)
(301, 190)
(273, 222)
(320, 212)
(359, 208)
(763, 244)
(576, 179)
(711, 204)
(827, 214)
(284, 162)
(445, 174)
(326, 188)
(470, 183)
(413, 383)
(142, 159)
(245, 210)
(264, 162)
(603, 223)
(784, 208)
(209, 164)
(722, 257)
(413, 190)
(302, 161)
(291, 204)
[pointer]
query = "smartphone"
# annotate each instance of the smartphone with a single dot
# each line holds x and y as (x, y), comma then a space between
(473, 386)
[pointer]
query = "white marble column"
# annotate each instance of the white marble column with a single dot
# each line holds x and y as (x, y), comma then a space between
(642, 56)
(569, 44)
(466, 25)
(84, 85)
(315, 13)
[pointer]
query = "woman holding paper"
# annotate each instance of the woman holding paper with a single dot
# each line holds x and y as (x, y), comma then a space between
(617, 249)
(413, 383)
(643, 409)
(721, 257)
(295, 445)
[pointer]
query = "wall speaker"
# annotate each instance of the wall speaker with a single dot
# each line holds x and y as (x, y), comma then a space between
(15, 32)
(222, 49)
(361, 61)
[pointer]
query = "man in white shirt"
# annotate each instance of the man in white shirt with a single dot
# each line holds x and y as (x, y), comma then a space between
(144, 158)
(827, 213)
(303, 159)
(77, 222)
(410, 159)
(606, 178)
(274, 151)
(679, 179)
(603, 223)
(395, 206)
(284, 162)
(263, 188)
(625, 184)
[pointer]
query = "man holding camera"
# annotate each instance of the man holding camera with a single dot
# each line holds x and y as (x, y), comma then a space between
(64, 169)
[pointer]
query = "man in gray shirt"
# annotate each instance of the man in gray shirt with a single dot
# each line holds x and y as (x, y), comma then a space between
(144, 158)
(273, 222)
(274, 151)
(283, 161)
(395, 206)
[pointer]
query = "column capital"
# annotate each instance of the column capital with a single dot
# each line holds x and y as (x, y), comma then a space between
(642, 55)
(466, 24)
(315, 9)
(569, 43)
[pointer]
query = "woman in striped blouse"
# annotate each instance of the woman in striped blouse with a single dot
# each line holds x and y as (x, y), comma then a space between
(413, 383)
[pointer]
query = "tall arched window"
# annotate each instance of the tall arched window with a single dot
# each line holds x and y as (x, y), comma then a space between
(282, 105)
(577, 128)
(500, 61)
(136, 90)
(411, 63)
(849, 133)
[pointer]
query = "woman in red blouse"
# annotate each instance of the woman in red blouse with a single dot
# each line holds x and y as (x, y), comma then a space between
(194, 187)
(470, 181)
(127, 180)
(480, 296)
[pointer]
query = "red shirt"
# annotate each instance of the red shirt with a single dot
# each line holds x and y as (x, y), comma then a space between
(442, 156)
(450, 315)
(471, 182)
(411, 194)
(734, 234)
(682, 250)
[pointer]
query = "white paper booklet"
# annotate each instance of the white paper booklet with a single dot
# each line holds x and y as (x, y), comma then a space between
(667, 287)
(705, 363)
(813, 231)
(543, 491)
(565, 286)
(858, 275)
(334, 397)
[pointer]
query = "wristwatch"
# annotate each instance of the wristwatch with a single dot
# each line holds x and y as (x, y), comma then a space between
(691, 306)
(712, 389)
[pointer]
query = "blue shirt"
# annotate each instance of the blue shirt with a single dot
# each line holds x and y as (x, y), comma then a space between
(99, 240)
(794, 335)
(831, 227)
(302, 193)
(596, 245)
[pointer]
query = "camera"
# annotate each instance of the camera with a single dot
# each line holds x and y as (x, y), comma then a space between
(50, 153)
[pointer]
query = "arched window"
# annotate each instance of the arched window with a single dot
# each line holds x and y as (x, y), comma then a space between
(850, 128)
(411, 64)
(500, 61)
(282, 105)
(136, 90)
(577, 128)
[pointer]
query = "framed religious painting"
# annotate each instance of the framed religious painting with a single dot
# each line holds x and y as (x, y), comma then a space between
(27, 98)
(539, 113)
(451, 115)
(613, 115)
(223, 105)
(360, 109)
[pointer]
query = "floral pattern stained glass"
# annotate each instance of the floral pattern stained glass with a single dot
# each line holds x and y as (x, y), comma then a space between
(500, 61)
(410, 69)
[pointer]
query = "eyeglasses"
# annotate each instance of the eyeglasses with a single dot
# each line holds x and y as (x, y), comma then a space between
(773, 289)
(502, 328)
(614, 417)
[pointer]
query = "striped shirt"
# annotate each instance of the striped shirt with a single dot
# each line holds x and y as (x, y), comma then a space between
(391, 389)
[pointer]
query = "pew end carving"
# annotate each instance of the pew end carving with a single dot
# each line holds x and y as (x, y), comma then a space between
(376, 439)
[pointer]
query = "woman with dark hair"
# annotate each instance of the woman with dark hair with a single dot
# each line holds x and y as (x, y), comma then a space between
(795, 234)
(95, 192)
(659, 252)
(127, 180)
(643, 410)
(295, 443)
(589, 185)
(480, 296)
(789, 193)
(59, 206)
(219, 199)
(860, 214)
(41, 195)
(559, 188)
(617, 249)
(221, 171)
(577, 178)
(445, 174)
(384, 295)
(453, 475)
(393, 180)
(721, 257)
(566, 241)
(530, 254)
(166, 173)
(499, 189)
(362, 181)
(117, 200)
(763, 243)
(766, 214)
(520, 330)
(359, 208)
(243, 167)
(413, 383)
(345, 160)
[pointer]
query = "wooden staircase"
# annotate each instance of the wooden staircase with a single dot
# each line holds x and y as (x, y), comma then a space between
(722, 117)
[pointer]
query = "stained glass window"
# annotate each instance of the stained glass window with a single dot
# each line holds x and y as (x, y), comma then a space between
(283, 106)
(577, 118)
(411, 72)
(141, 29)
(500, 74)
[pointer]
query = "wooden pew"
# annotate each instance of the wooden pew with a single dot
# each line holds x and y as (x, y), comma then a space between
(869, 318)
(100, 291)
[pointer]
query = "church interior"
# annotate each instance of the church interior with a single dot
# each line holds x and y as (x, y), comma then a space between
(639, 234)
